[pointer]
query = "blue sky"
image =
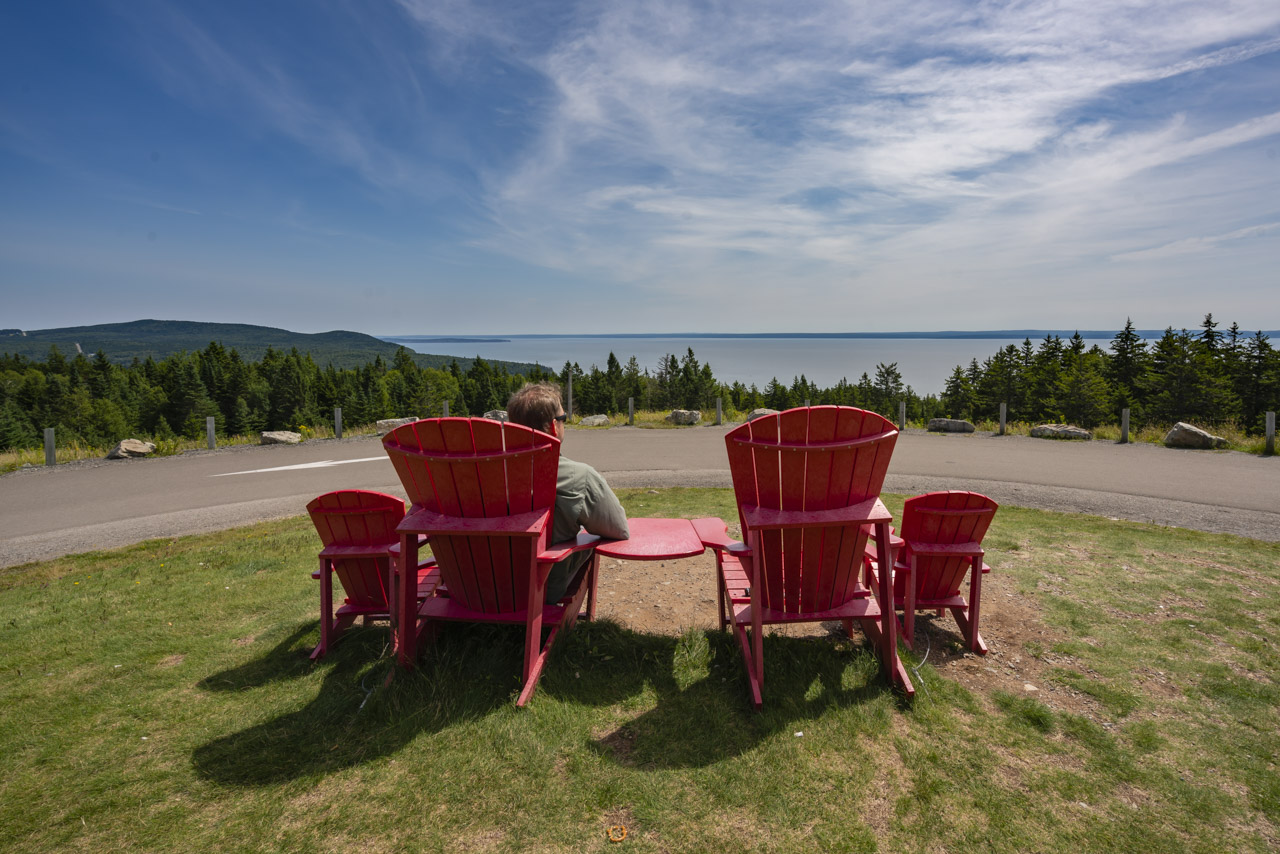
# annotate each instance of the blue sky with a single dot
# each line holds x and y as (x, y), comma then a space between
(442, 167)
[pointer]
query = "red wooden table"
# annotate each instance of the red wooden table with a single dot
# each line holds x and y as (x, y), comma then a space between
(655, 539)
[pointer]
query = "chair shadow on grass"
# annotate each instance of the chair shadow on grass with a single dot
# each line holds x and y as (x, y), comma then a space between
(701, 714)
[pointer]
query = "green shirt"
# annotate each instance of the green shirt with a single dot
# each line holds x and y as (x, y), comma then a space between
(583, 499)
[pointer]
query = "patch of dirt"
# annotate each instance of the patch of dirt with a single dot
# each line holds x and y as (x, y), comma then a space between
(171, 660)
(245, 641)
(616, 822)
(668, 597)
(619, 742)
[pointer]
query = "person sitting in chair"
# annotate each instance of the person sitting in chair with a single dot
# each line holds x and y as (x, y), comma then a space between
(582, 496)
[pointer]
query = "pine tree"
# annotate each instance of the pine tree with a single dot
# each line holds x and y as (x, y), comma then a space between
(1128, 366)
(16, 429)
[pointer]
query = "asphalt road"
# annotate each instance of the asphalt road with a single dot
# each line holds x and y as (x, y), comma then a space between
(48, 512)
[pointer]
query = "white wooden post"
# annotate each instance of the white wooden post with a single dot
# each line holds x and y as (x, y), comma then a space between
(209, 433)
(718, 411)
(444, 409)
(1004, 412)
(902, 415)
(806, 403)
(568, 407)
(1124, 426)
(50, 454)
(337, 422)
(631, 412)
(1271, 433)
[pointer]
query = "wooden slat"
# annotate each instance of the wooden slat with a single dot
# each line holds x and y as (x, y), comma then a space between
(793, 429)
(488, 437)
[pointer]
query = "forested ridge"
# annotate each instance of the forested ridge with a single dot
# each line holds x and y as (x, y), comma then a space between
(121, 343)
(1208, 376)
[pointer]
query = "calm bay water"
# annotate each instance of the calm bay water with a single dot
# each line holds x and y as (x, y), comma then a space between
(925, 363)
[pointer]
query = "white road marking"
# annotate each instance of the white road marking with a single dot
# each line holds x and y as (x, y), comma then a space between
(317, 465)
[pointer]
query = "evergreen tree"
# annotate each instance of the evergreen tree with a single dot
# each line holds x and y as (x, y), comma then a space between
(957, 398)
(16, 429)
(1128, 366)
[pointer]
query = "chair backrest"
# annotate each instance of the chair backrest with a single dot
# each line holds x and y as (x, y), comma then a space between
(357, 517)
(475, 468)
(944, 518)
(810, 459)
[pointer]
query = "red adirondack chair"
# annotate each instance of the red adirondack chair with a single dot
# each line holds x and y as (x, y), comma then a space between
(807, 483)
(358, 531)
(483, 491)
(941, 544)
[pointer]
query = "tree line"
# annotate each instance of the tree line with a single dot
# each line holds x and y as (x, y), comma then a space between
(97, 402)
(1207, 376)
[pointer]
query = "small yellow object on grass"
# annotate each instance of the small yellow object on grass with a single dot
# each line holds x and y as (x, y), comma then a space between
(617, 833)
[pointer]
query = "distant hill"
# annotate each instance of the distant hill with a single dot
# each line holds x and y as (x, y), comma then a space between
(123, 342)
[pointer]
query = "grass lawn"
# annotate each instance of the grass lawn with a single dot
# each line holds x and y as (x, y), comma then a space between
(160, 698)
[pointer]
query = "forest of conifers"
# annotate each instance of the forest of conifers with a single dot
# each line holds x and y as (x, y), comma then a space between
(1207, 376)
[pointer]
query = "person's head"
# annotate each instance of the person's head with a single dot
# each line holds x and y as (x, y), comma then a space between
(537, 405)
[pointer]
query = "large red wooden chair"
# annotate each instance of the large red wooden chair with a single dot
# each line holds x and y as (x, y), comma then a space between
(942, 544)
(483, 492)
(358, 531)
(807, 483)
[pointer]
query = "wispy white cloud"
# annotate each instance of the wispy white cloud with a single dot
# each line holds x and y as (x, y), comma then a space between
(1195, 245)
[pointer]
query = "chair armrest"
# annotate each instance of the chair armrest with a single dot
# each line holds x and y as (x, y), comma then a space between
(946, 550)
(424, 521)
(560, 551)
(761, 518)
(394, 548)
(714, 534)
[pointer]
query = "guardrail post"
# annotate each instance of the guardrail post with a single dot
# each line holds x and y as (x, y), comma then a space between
(444, 409)
(1271, 433)
(50, 453)
(902, 415)
(806, 403)
(1004, 412)
(719, 412)
(631, 412)
(1124, 426)
(209, 430)
(337, 422)
(568, 407)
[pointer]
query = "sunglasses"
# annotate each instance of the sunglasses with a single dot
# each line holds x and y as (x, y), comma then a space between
(562, 417)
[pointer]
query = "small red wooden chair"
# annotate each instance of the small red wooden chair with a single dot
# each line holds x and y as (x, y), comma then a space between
(942, 544)
(358, 530)
(484, 492)
(807, 483)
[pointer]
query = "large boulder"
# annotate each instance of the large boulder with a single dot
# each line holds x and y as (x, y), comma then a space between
(128, 449)
(1184, 435)
(1060, 431)
(594, 421)
(496, 415)
(949, 425)
(386, 425)
(684, 416)
(280, 437)
(757, 413)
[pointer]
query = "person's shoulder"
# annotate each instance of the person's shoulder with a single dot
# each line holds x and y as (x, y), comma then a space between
(576, 470)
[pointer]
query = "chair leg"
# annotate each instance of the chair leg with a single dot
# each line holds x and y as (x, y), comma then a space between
(757, 648)
(326, 611)
(534, 650)
(721, 592)
(970, 626)
(909, 609)
(594, 569)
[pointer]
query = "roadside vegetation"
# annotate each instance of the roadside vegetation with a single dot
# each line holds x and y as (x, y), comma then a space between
(1225, 380)
(160, 698)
